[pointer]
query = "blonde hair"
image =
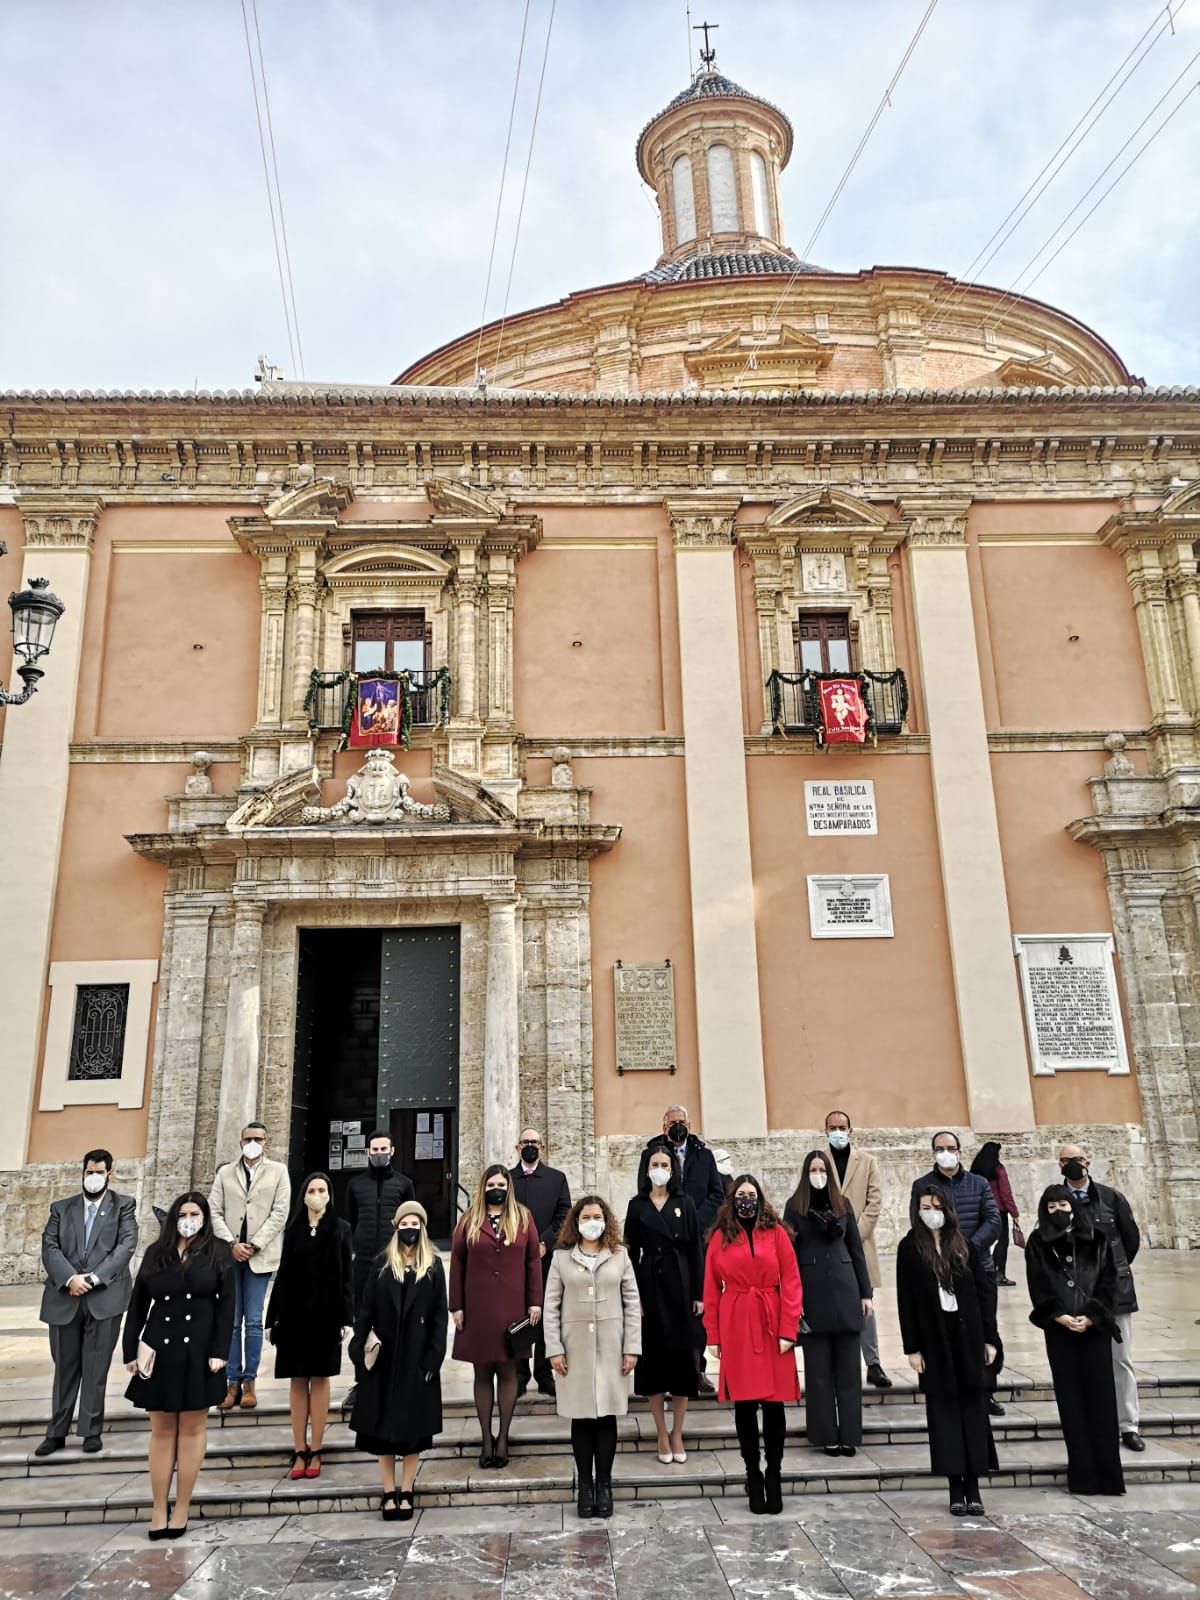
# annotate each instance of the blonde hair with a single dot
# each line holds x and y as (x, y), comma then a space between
(423, 1253)
(514, 1219)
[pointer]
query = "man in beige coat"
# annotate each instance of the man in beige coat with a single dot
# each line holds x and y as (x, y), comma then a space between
(858, 1175)
(249, 1201)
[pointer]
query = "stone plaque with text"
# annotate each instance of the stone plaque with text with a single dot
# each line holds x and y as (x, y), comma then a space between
(1072, 1006)
(841, 906)
(645, 1014)
(842, 805)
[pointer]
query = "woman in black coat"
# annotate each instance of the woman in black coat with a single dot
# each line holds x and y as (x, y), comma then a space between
(1073, 1286)
(180, 1322)
(400, 1339)
(837, 1299)
(309, 1313)
(948, 1327)
(662, 1236)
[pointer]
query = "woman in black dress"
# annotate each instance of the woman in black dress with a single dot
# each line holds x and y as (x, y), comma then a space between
(1073, 1285)
(662, 1236)
(182, 1311)
(837, 1300)
(400, 1338)
(948, 1327)
(310, 1311)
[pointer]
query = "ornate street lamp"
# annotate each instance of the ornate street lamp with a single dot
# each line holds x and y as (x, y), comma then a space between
(35, 614)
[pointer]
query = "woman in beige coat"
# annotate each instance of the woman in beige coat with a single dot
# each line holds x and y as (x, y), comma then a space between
(593, 1320)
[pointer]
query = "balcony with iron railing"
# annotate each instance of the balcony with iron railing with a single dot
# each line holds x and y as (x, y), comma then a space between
(796, 700)
(424, 699)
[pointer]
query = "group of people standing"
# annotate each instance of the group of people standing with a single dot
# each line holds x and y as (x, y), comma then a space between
(543, 1288)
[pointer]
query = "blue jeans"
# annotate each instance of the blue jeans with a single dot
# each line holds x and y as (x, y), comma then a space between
(249, 1297)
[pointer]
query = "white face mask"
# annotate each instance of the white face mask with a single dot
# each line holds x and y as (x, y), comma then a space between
(660, 1176)
(593, 1229)
(189, 1227)
(946, 1159)
(94, 1182)
(933, 1219)
(818, 1180)
(839, 1138)
(252, 1149)
(316, 1202)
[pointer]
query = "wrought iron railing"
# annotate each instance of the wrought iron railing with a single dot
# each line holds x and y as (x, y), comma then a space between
(796, 700)
(426, 698)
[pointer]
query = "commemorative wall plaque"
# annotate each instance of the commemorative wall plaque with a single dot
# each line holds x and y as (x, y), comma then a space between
(1072, 1004)
(644, 997)
(840, 806)
(844, 906)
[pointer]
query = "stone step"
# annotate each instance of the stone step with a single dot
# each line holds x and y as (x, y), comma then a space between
(1170, 1382)
(121, 1495)
(543, 1433)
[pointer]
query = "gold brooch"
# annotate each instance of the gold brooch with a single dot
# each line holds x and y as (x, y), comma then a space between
(678, 1213)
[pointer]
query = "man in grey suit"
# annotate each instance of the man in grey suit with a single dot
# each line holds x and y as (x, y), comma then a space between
(87, 1246)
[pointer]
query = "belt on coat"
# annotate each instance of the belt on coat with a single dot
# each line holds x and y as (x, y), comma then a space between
(768, 1323)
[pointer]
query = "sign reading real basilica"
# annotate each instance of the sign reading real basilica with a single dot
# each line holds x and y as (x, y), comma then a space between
(837, 671)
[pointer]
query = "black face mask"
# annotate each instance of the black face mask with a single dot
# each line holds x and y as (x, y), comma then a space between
(494, 1197)
(379, 1158)
(1075, 1170)
(529, 1154)
(677, 1132)
(1056, 1225)
(746, 1207)
(410, 1238)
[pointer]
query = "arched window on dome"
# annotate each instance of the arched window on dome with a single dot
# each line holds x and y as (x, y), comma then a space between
(758, 188)
(683, 199)
(722, 189)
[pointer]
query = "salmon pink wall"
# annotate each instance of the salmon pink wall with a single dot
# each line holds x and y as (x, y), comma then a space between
(641, 911)
(12, 533)
(1057, 886)
(109, 907)
(869, 1024)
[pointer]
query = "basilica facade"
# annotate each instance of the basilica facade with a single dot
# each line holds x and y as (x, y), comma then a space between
(747, 685)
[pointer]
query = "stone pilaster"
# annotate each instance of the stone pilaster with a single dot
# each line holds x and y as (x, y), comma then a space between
(990, 1024)
(34, 774)
(305, 595)
(240, 1058)
(501, 1070)
(728, 1018)
(171, 1135)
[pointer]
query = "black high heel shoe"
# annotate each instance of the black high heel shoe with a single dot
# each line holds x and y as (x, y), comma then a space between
(157, 1533)
(487, 1454)
(405, 1505)
(389, 1510)
(175, 1533)
(500, 1461)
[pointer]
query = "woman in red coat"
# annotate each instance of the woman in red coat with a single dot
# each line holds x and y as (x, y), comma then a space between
(495, 1280)
(752, 1306)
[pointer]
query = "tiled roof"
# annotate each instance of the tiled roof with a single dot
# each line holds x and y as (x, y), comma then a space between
(728, 264)
(715, 86)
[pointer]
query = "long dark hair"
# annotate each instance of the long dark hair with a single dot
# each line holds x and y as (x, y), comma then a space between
(299, 1216)
(727, 1222)
(674, 1186)
(802, 1196)
(954, 1253)
(202, 1247)
(986, 1164)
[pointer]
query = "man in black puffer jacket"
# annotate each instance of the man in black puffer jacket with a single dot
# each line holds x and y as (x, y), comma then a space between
(371, 1201)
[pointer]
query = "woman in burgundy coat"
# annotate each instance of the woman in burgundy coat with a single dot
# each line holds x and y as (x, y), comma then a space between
(495, 1280)
(752, 1308)
(987, 1164)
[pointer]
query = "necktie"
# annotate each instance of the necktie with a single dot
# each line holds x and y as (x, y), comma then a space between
(88, 1223)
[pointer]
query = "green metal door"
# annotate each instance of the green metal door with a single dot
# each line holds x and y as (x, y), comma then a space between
(418, 1020)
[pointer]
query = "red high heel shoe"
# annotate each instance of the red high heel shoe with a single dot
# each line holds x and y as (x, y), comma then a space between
(313, 1469)
(299, 1464)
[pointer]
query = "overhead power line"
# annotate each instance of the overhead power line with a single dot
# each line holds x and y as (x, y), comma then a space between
(288, 309)
(537, 106)
(1128, 167)
(287, 257)
(883, 105)
(1033, 193)
(487, 285)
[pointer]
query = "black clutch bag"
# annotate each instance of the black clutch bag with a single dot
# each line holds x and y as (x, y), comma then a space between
(519, 1338)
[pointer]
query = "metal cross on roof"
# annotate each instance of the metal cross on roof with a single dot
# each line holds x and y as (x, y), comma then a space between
(708, 55)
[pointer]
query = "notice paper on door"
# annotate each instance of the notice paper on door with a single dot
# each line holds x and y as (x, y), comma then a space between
(423, 1147)
(439, 1137)
(356, 1141)
(335, 1157)
(335, 1128)
(355, 1158)
(351, 1127)
(422, 1122)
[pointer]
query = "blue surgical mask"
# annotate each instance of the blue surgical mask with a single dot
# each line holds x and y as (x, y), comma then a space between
(839, 1138)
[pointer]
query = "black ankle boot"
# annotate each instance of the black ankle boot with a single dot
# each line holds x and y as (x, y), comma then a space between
(604, 1500)
(586, 1505)
(773, 1490)
(755, 1489)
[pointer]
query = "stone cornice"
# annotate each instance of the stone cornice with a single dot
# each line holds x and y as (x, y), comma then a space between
(60, 522)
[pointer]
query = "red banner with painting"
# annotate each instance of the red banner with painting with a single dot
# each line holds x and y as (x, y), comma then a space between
(376, 718)
(843, 711)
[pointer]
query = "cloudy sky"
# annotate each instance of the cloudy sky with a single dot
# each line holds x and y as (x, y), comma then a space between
(135, 245)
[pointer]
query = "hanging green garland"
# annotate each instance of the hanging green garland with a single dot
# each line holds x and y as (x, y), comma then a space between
(438, 689)
(804, 681)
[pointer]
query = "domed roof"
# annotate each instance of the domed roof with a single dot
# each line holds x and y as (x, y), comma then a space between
(728, 264)
(709, 84)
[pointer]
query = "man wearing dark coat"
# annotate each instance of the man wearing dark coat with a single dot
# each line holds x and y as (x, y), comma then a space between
(87, 1245)
(544, 1191)
(1112, 1215)
(371, 1201)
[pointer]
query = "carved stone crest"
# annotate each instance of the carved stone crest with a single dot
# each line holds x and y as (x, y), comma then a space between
(376, 794)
